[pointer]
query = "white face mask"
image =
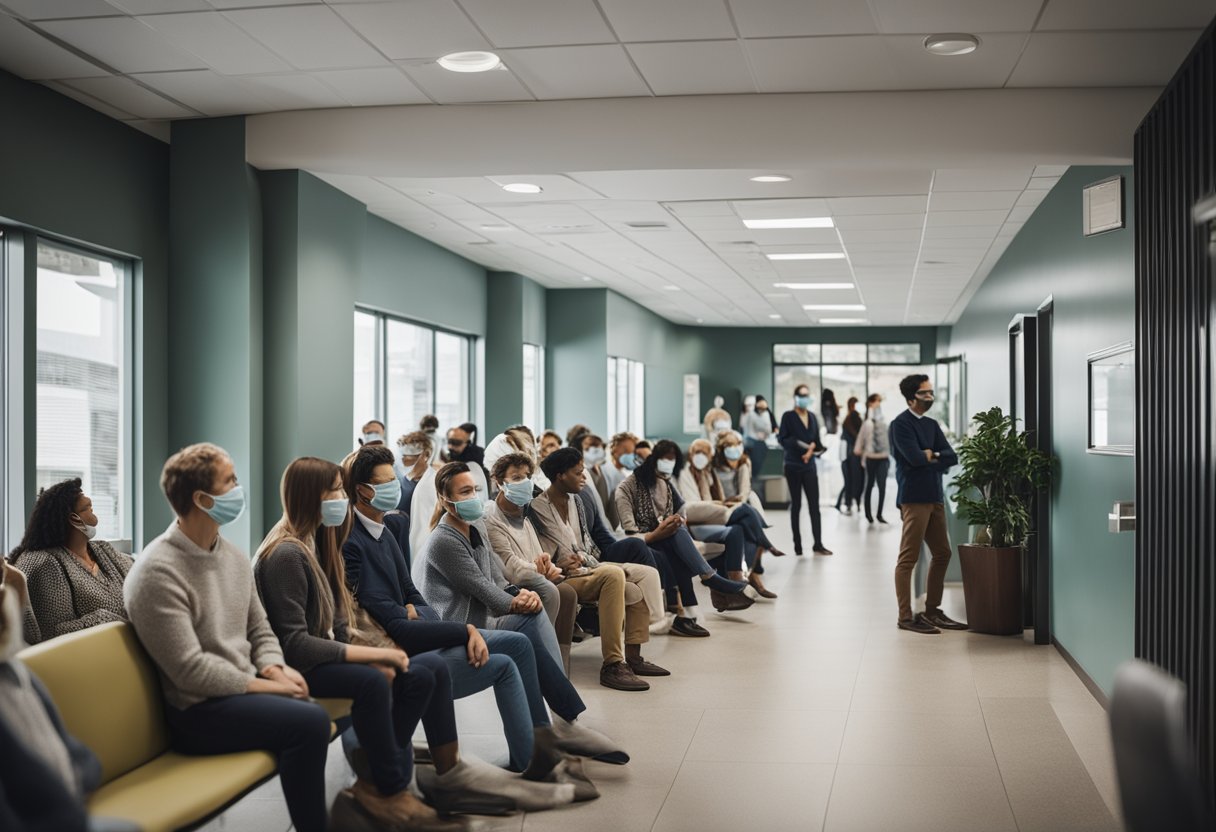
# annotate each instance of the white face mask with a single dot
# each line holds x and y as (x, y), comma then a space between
(665, 467)
(84, 528)
(11, 641)
(373, 436)
(722, 424)
(700, 461)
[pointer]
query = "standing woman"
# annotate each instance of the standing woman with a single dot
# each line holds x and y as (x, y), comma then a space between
(757, 424)
(300, 577)
(799, 436)
(74, 582)
(829, 410)
(874, 448)
(850, 462)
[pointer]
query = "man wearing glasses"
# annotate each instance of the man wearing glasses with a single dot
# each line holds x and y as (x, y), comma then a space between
(922, 455)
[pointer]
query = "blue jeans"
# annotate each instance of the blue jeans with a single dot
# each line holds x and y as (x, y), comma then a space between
(729, 536)
(684, 561)
(748, 519)
(550, 674)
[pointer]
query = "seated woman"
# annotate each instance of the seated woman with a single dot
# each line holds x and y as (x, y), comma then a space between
(422, 504)
(550, 441)
(74, 582)
(477, 659)
(301, 581)
(514, 541)
(649, 506)
(642, 448)
(707, 513)
(732, 468)
(463, 580)
(594, 456)
(192, 601)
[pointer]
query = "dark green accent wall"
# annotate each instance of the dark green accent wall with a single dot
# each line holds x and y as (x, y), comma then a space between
(576, 364)
(1092, 282)
(517, 317)
(69, 171)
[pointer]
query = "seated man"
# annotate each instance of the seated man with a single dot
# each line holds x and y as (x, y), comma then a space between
(380, 581)
(594, 457)
(562, 523)
(622, 459)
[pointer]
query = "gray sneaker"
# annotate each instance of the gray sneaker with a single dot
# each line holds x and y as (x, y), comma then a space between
(478, 788)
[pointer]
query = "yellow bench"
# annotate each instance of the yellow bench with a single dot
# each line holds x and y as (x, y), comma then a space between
(107, 690)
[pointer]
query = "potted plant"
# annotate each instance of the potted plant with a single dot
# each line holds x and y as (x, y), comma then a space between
(1000, 473)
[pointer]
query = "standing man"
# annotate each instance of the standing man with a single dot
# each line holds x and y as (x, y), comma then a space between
(922, 455)
(373, 433)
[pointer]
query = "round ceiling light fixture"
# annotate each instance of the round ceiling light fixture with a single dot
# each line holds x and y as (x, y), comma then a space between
(772, 177)
(952, 43)
(470, 62)
(522, 188)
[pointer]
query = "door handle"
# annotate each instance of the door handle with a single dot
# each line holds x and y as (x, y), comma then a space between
(1122, 517)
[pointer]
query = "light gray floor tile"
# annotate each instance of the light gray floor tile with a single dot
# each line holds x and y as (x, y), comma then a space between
(901, 738)
(757, 736)
(918, 798)
(743, 796)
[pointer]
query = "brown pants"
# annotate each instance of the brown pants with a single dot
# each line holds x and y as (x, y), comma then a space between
(605, 586)
(923, 523)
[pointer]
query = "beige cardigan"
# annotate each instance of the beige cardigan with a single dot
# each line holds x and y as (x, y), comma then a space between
(518, 549)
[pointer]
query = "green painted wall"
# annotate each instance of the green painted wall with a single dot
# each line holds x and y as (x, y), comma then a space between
(517, 317)
(576, 366)
(69, 171)
(1091, 279)
(215, 303)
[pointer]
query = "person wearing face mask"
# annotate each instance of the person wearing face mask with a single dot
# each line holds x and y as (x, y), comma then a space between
(414, 457)
(429, 424)
(922, 455)
(757, 425)
(374, 433)
(74, 581)
(799, 437)
(192, 600)
(301, 580)
(874, 448)
(622, 460)
(707, 512)
(424, 498)
(594, 458)
(716, 419)
(514, 540)
(732, 469)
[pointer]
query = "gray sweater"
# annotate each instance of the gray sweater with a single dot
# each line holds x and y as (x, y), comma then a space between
(461, 578)
(289, 591)
(197, 613)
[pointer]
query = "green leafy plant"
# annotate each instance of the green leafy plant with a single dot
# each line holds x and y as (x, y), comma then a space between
(1000, 474)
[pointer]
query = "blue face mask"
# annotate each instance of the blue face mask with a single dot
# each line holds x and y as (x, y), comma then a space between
(333, 512)
(733, 452)
(665, 466)
(802, 402)
(520, 492)
(227, 506)
(629, 461)
(387, 495)
(469, 510)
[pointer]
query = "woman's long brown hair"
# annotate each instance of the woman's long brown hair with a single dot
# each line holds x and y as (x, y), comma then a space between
(304, 484)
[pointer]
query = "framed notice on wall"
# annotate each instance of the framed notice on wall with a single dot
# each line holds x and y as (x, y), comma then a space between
(692, 403)
(1102, 206)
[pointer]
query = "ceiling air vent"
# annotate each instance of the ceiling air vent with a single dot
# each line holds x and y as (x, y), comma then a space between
(646, 224)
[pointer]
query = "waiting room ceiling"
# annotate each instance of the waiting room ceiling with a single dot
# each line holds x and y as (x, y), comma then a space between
(920, 229)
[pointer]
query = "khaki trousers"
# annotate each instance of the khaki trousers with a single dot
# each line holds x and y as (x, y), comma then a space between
(923, 523)
(607, 587)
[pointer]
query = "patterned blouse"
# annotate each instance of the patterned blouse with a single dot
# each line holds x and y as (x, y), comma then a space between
(66, 597)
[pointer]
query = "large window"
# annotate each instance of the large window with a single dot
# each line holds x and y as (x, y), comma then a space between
(626, 396)
(404, 370)
(82, 376)
(534, 387)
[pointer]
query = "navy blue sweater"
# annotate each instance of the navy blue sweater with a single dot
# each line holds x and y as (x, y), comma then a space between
(380, 580)
(919, 480)
(791, 432)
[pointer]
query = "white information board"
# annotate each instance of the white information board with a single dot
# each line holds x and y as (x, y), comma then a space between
(692, 403)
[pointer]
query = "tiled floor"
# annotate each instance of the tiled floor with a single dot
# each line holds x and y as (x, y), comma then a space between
(813, 712)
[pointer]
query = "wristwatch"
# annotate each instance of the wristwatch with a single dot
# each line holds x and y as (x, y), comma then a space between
(511, 589)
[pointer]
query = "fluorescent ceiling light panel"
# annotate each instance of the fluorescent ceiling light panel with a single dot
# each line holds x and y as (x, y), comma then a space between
(808, 255)
(814, 286)
(843, 321)
(522, 188)
(774, 316)
(771, 177)
(791, 222)
(835, 307)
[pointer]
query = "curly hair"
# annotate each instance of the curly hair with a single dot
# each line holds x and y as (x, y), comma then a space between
(49, 525)
(508, 461)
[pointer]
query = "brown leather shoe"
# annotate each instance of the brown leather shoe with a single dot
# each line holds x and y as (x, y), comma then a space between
(939, 619)
(761, 589)
(641, 667)
(918, 624)
(729, 602)
(619, 676)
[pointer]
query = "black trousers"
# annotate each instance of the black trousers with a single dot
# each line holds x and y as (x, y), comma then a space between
(804, 479)
(876, 472)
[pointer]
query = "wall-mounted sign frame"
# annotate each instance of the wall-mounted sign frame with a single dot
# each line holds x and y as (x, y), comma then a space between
(692, 403)
(1112, 400)
(1102, 206)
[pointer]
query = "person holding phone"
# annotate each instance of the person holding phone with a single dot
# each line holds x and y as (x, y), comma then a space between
(799, 437)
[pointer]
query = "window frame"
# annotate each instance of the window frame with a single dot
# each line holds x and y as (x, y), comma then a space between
(635, 395)
(538, 399)
(815, 368)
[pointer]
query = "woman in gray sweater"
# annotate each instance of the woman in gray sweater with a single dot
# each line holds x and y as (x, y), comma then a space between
(74, 582)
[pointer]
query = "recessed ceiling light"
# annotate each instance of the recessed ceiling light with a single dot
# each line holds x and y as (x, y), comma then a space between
(586, 279)
(774, 316)
(835, 307)
(792, 222)
(522, 188)
(814, 286)
(808, 255)
(953, 43)
(470, 62)
(771, 177)
(494, 226)
(843, 321)
(671, 287)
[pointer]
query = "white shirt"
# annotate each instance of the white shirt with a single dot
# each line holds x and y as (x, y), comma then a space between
(373, 528)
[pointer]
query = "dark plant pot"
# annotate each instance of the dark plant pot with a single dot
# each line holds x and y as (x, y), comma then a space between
(992, 588)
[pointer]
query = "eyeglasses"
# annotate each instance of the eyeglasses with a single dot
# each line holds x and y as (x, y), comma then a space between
(924, 394)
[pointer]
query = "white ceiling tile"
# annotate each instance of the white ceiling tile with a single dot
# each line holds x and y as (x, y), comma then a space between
(961, 232)
(928, 16)
(566, 22)
(958, 219)
(562, 72)
(51, 9)
(373, 87)
(219, 42)
(89, 101)
(162, 6)
(1102, 59)
(128, 96)
(767, 209)
(1042, 183)
(701, 209)
(207, 92)
(645, 20)
(784, 18)
(972, 200)
(293, 92)
(123, 43)
(1053, 170)
(1021, 213)
(309, 37)
(821, 64)
(28, 54)
(853, 236)
(465, 87)
(980, 179)
(1127, 14)
(1031, 198)
(696, 68)
(849, 206)
(418, 29)
(879, 221)
(245, 4)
